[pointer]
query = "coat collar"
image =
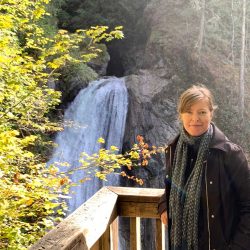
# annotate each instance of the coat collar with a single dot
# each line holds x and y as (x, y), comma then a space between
(218, 139)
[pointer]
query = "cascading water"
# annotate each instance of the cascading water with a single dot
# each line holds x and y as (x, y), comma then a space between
(98, 111)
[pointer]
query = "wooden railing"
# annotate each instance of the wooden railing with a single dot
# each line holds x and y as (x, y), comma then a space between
(94, 225)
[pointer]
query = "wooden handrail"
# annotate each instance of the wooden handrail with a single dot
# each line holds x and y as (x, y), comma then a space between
(94, 224)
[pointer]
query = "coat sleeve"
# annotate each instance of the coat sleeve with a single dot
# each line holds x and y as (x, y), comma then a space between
(239, 172)
(163, 203)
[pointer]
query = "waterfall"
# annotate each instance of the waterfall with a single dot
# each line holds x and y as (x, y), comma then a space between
(97, 111)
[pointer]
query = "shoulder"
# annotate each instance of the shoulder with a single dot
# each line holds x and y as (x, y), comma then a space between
(221, 142)
(235, 160)
(232, 147)
(233, 154)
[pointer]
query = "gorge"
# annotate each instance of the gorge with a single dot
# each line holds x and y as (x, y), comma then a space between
(161, 56)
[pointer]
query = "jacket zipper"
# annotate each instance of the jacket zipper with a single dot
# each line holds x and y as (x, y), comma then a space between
(208, 212)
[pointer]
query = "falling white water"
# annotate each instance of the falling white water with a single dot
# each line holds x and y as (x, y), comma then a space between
(98, 111)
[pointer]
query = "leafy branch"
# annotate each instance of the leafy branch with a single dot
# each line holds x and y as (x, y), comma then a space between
(109, 161)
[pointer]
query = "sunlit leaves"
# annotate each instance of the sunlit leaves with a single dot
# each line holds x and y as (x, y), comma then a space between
(31, 194)
(109, 161)
(99, 33)
(101, 140)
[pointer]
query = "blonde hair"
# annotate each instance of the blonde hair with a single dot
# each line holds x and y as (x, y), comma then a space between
(194, 94)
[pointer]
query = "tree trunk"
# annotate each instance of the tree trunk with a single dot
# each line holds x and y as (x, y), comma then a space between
(242, 61)
(202, 27)
(233, 32)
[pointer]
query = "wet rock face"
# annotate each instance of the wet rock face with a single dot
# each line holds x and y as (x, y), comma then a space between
(152, 114)
(152, 108)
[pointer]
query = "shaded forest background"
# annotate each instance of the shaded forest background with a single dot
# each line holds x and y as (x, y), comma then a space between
(205, 41)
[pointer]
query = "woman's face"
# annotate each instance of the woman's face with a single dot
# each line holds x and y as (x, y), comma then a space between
(197, 119)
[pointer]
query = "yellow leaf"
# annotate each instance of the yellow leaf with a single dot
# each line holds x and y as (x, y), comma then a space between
(114, 148)
(101, 140)
(29, 202)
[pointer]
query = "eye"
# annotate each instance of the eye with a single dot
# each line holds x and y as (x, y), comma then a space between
(203, 112)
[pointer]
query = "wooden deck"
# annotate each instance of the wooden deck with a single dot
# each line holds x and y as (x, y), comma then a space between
(94, 225)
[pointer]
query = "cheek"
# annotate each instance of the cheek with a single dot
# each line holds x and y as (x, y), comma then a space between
(185, 123)
(183, 118)
(209, 119)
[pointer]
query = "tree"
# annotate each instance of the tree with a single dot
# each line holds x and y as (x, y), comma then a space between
(242, 61)
(233, 32)
(202, 26)
(31, 194)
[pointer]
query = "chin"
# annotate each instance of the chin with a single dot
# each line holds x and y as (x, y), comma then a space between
(196, 133)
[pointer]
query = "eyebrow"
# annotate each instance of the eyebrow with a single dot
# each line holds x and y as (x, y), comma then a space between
(202, 109)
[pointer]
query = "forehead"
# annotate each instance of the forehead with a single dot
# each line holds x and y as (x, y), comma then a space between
(200, 104)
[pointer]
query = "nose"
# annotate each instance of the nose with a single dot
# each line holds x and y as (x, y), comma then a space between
(195, 117)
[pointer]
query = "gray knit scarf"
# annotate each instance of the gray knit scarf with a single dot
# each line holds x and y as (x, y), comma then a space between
(184, 199)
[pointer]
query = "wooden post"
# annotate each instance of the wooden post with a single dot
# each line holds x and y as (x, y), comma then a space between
(105, 240)
(109, 240)
(96, 246)
(135, 233)
(114, 230)
(160, 235)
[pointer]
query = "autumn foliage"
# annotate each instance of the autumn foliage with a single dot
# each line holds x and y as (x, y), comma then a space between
(109, 161)
(30, 201)
(33, 195)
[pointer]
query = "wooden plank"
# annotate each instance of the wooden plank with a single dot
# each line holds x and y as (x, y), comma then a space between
(84, 226)
(160, 235)
(103, 243)
(79, 246)
(135, 233)
(105, 240)
(137, 194)
(143, 210)
(96, 246)
(109, 240)
(114, 228)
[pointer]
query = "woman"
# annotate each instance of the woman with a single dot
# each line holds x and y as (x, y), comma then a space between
(206, 203)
